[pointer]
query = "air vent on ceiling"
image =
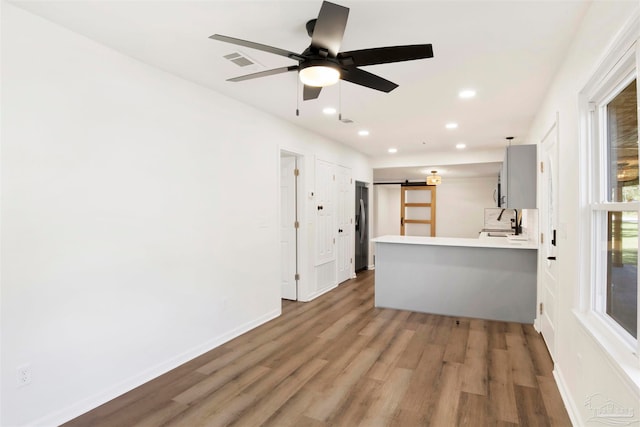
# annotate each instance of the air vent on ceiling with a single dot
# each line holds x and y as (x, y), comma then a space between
(239, 59)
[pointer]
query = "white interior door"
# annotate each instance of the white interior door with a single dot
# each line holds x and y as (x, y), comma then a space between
(325, 219)
(547, 298)
(288, 238)
(344, 219)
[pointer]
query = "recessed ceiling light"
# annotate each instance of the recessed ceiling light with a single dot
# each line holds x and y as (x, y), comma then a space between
(329, 110)
(363, 132)
(461, 146)
(467, 93)
(451, 125)
(392, 150)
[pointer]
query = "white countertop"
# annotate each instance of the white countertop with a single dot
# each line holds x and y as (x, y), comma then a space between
(481, 242)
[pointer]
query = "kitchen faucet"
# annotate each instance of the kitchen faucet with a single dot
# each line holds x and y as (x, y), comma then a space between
(516, 224)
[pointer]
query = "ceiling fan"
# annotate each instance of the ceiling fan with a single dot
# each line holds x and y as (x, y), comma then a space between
(322, 63)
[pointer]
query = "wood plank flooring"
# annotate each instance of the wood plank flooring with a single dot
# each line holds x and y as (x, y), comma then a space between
(338, 361)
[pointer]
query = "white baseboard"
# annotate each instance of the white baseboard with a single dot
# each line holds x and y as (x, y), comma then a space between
(92, 402)
(536, 325)
(371, 267)
(316, 294)
(569, 403)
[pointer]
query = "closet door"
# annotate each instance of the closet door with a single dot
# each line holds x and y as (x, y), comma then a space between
(325, 217)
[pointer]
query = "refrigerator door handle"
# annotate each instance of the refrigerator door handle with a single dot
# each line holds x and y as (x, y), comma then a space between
(363, 221)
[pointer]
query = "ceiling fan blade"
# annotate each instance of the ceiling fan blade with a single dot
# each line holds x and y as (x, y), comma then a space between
(258, 46)
(310, 92)
(384, 55)
(364, 78)
(263, 73)
(329, 28)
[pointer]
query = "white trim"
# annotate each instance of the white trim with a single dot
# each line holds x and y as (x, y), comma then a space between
(301, 209)
(569, 403)
(615, 206)
(316, 294)
(540, 284)
(303, 202)
(85, 405)
(621, 357)
(620, 44)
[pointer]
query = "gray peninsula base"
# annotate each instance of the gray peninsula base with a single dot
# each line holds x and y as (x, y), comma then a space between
(479, 282)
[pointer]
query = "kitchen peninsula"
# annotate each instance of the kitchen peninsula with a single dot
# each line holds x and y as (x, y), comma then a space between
(488, 278)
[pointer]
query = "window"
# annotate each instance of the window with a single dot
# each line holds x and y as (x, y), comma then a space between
(615, 199)
(621, 297)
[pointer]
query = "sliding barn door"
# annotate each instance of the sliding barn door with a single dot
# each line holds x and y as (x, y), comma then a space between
(418, 210)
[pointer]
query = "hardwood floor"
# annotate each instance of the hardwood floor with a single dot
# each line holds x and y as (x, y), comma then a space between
(338, 361)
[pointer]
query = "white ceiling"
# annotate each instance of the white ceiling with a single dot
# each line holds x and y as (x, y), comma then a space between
(508, 51)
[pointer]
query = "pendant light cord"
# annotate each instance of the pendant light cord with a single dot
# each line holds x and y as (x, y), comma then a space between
(297, 97)
(340, 100)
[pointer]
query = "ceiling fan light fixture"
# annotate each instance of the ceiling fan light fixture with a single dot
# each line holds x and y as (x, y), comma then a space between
(467, 93)
(319, 75)
(434, 178)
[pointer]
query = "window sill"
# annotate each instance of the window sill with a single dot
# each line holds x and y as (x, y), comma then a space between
(623, 358)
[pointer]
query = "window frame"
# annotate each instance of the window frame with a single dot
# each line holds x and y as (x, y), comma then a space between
(617, 69)
(599, 206)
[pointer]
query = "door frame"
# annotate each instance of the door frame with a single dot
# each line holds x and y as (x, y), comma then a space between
(301, 255)
(349, 223)
(553, 136)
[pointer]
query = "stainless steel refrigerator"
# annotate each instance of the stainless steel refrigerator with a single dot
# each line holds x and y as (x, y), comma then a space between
(362, 227)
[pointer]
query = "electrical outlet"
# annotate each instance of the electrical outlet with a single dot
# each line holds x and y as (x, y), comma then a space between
(24, 375)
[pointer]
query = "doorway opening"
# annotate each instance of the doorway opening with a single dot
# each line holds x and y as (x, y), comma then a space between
(289, 225)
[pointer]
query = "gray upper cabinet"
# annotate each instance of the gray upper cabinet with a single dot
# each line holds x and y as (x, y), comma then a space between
(518, 177)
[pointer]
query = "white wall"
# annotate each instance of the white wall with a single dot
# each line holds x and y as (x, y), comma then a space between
(139, 219)
(582, 367)
(460, 204)
(386, 206)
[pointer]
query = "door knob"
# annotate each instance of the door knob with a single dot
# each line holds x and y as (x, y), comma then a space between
(551, 258)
